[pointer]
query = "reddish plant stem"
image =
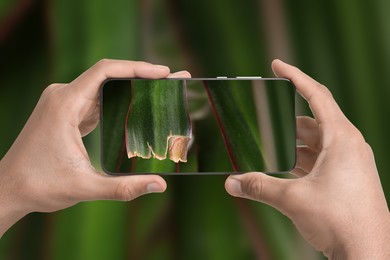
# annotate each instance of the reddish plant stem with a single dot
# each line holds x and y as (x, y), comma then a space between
(133, 162)
(127, 118)
(120, 159)
(124, 144)
(253, 229)
(229, 149)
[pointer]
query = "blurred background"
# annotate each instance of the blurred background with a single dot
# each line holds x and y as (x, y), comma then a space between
(343, 44)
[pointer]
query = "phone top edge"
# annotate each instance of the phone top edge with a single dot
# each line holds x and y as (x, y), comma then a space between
(188, 173)
(217, 78)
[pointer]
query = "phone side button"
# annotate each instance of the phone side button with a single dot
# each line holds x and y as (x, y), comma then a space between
(249, 77)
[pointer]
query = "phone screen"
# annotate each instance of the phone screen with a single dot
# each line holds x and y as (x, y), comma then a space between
(197, 126)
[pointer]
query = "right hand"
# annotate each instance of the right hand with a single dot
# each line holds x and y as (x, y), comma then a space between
(337, 203)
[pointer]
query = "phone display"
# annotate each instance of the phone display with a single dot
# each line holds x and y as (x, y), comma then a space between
(197, 126)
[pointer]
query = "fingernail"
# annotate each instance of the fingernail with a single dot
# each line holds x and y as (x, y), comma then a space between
(180, 72)
(162, 67)
(154, 187)
(234, 186)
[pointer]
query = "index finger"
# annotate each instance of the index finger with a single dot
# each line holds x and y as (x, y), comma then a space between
(89, 82)
(321, 101)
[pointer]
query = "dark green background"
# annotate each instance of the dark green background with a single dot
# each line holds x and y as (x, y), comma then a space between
(343, 44)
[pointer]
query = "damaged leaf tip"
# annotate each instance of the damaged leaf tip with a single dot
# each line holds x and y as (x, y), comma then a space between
(178, 147)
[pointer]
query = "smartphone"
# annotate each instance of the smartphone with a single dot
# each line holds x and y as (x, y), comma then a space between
(197, 126)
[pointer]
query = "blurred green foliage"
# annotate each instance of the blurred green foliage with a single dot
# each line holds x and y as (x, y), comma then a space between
(343, 44)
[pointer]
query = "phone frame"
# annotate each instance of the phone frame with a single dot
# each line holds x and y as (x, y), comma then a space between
(190, 173)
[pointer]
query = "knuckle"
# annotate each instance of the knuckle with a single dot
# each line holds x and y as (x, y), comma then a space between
(324, 90)
(50, 98)
(368, 149)
(102, 64)
(253, 187)
(104, 61)
(357, 136)
(354, 136)
(49, 89)
(124, 192)
(347, 133)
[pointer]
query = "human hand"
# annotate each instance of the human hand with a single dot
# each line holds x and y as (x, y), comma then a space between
(337, 203)
(48, 168)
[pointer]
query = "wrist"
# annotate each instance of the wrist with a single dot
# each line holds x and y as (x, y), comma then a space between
(9, 215)
(11, 208)
(371, 243)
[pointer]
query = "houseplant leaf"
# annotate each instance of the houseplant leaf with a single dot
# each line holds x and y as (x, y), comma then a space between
(117, 96)
(234, 109)
(282, 122)
(158, 122)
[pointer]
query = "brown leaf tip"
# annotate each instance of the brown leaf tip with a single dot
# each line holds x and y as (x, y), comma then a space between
(178, 147)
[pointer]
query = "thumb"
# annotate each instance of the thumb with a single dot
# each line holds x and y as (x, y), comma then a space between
(123, 188)
(258, 186)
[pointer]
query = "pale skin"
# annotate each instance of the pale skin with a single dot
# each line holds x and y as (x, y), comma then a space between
(48, 169)
(337, 202)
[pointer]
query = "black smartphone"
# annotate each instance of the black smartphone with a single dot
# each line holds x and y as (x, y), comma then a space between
(197, 125)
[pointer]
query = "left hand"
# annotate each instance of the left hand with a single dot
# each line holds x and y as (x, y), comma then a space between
(48, 167)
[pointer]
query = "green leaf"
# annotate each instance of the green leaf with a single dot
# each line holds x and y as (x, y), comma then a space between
(117, 96)
(234, 109)
(158, 120)
(280, 96)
